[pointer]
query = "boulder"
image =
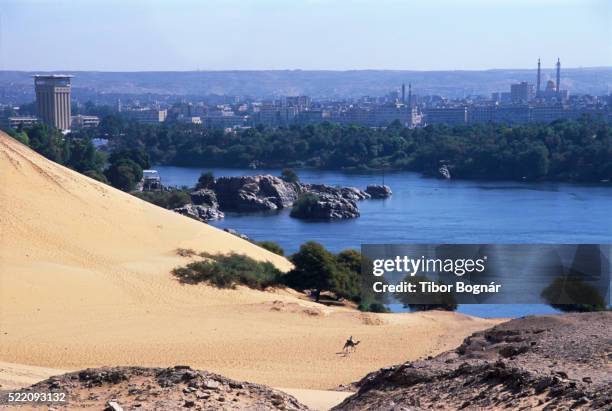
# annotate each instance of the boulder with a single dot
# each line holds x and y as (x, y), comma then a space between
(254, 193)
(349, 193)
(200, 212)
(326, 207)
(205, 197)
(444, 172)
(379, 191)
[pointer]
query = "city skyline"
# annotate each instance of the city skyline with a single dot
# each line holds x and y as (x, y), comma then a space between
(304, 35)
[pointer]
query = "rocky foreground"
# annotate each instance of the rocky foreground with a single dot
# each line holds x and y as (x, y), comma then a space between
(136, 388)
(539, 362)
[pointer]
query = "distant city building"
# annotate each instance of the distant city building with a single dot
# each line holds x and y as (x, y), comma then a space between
(80, 121)
(451, 116)
(287, 115)
(313, 116)
(189, 120)
(482, 114)
(512, 114)
(146, 115)
(521, 92)
(53, 100)
(523, 114)
(375, 115)
(301, 102)
(16, 122)
(223, 119)
(547, 114)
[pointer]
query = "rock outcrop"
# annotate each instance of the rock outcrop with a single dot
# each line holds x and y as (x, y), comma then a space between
(379, 191)
(444, 172)
(348, 193)
(536, 362)
(200, 212)
(328, 202)
(266, 192)
(205, 197)
(325, 207)
(174, 388)
(255, 193)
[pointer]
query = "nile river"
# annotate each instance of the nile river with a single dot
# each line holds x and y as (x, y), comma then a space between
(424, 210)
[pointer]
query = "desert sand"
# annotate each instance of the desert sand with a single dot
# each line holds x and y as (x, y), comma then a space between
(85, 281)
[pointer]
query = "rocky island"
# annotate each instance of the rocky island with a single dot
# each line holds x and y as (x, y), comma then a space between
(267, 192)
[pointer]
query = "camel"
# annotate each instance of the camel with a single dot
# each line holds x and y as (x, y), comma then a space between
(350, 345)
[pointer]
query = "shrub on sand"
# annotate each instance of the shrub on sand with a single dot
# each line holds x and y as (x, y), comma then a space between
(227, 271)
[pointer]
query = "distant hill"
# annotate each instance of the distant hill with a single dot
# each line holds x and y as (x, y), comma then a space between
(271, 83)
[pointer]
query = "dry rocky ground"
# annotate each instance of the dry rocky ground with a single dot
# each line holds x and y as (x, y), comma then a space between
(136, 388)
(540, 362)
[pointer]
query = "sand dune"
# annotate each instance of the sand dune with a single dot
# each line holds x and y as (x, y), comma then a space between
(84, 282)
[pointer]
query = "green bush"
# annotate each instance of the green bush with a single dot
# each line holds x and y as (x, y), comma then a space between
(272, 246)
(227, 271)
(166, 199)
(346, 282)
(304, 205)
(373, 307)
(124, 174)
(206, 180)
(289, 175)
(317, 269)
(137, 155)
(314, 268)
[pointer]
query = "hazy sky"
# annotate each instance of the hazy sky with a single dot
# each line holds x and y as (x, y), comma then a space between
(132, 35)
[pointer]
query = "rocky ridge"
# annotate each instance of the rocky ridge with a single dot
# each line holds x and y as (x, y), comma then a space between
(179, 387)
(204, 206)
(537, 362)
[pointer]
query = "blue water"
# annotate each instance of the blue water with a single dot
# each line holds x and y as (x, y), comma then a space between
(424, 210)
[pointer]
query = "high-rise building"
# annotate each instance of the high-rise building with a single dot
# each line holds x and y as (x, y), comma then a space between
(53, 100)
(521, 92)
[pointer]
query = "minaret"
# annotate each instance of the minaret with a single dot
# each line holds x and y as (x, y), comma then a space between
(403, 93)
(538, 82)
(558, 74)
(409, 94)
